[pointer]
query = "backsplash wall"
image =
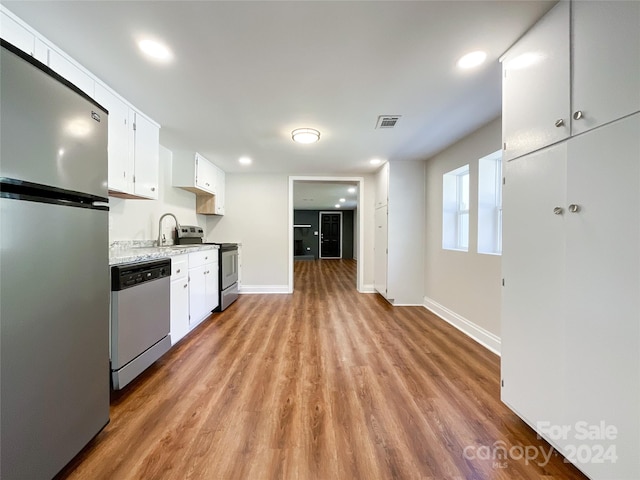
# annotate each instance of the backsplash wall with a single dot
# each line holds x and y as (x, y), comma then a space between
(138, 219)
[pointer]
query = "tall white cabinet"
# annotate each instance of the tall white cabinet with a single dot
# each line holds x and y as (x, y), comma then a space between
(399, 233)
(571, 252)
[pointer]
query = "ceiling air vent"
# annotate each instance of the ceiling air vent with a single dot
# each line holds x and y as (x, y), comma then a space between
(387, 121)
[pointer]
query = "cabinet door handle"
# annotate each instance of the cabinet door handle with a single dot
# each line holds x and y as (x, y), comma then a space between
(558, 210)
(186, 285)
(578, 115)
(178, 271)
(560, 123)
(573, 208)
(153, 189)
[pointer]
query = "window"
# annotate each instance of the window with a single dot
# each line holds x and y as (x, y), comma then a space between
(490, 204)
(455, 209)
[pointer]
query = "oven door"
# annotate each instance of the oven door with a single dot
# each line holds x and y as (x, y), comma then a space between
(228, 268)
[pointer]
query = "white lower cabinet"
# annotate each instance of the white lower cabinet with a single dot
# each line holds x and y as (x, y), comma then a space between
(203, 285)
(571, 302)
(179, 297)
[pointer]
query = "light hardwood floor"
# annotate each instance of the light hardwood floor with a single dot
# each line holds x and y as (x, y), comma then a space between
(323, 384)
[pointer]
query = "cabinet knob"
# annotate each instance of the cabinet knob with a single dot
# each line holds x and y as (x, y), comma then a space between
(153, 189)
(560, 123)
(186, 285)
(178, 271)
(573, 208)
(578, 115)
(558, 210)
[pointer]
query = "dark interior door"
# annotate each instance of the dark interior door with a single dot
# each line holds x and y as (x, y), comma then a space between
(330, 240)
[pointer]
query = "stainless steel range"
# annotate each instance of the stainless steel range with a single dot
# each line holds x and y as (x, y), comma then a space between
(227, 261)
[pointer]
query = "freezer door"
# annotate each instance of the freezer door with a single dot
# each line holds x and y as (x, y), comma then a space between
(49, 133)
(54, 334)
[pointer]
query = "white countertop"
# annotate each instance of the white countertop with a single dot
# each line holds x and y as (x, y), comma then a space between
(130, 253)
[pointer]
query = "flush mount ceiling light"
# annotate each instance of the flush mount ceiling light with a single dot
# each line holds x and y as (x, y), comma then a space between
(305, 135)
(472, 59)
(155, 50)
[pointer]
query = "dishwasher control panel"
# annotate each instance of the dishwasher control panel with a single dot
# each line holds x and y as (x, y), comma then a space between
(131, 274)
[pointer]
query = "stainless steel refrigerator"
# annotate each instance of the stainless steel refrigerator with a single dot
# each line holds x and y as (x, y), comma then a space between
(54, 273)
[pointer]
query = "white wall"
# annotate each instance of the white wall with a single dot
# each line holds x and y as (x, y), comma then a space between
(462, 287)
(257, 214)
(138, 219)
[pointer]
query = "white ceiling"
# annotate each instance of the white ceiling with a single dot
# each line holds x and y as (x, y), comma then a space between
(247, 73)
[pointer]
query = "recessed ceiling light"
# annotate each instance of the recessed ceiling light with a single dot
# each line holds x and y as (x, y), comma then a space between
(472, 59)
(245, 160)
(342, 200)
(305, 135)
(375, 161)
(352, 190)
(155, 50)
(337, 205)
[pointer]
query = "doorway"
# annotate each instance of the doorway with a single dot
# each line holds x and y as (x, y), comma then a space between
(330, 234)
(358, 224)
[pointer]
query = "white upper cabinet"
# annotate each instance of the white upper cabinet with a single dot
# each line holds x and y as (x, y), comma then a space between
(382, 186)
(146, 155)
(16, 34)
(195, 173)
(205, 173)
(62, 65)
(557, 84)
(220, 191)
(120, 160)
(535, 86)
(606, 59)
(134, 148)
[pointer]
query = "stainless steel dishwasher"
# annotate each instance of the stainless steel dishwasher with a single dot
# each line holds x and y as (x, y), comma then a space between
(140, 317)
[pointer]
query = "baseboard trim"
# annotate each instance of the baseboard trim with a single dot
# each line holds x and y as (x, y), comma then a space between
(483, 337)
(367, 289)
(263, 289)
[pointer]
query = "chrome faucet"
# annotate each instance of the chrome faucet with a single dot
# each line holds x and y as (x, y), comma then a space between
(161, 238)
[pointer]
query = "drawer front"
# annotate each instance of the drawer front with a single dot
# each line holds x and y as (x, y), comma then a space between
(197, 259)
(179, 267)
